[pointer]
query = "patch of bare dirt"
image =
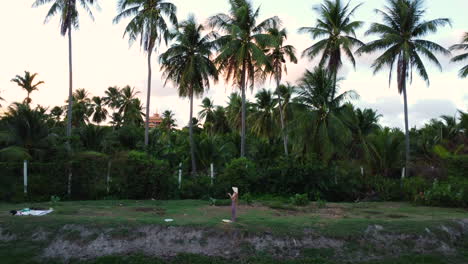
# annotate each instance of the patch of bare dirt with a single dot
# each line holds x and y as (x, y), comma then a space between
(156, 210)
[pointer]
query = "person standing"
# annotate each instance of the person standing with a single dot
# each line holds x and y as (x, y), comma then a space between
(234, 198)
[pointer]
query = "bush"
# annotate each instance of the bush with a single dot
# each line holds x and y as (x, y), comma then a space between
(240, 173)
(457, 166)
(197, 187)
(247, 198)
(300, 200)
(453, 193)
(413, 187)
(137, 175)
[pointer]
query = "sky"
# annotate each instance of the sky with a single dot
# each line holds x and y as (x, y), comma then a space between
(103, 58)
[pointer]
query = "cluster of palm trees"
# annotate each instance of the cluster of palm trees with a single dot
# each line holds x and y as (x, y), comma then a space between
(245, 51)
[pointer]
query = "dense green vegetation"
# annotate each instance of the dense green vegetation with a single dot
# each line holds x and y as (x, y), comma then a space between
(305, 138)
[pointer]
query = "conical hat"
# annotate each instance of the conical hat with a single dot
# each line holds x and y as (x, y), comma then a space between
(235, 189)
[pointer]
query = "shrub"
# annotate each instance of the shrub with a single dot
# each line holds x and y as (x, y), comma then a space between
(453, 192)
(240, 173)
(196, 187)
(247, 198)
(300, 200)
(413, 187)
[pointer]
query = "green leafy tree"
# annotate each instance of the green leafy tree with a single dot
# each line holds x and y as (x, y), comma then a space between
(463, 46)
(69, 19)
(338, 30)
(149, 24)
(401, 36)
(241, 50)
(279, 54)
(27, 83)
(187, 64)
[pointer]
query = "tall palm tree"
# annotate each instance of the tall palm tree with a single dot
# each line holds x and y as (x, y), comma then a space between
(69, 19)
(241, 56)
(148, 23)
(338, 30)
(27, 83)
(234, 111)
(82, 108)
(401, 37)
(278, 54)
(187, 64)
(463, 46)
(100, 111)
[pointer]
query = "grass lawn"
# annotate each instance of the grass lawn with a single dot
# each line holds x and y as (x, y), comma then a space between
(334, 220)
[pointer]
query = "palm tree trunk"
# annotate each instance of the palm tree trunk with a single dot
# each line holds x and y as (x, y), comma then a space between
(70, 104)
(243, 110)
(283, 131)
(192, 143)
(407, 138)
(148, 97)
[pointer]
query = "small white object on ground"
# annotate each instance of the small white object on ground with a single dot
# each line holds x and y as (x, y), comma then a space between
(34, 212)
(168, 220)
(227, 221)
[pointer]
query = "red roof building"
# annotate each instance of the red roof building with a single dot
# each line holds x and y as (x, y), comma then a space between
(155, 120)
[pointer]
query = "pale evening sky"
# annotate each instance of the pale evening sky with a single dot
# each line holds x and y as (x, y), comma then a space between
(102, 58)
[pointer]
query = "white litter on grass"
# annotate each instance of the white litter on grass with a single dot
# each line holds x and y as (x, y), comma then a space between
(227, 221)
(27, 211)
(168, 220)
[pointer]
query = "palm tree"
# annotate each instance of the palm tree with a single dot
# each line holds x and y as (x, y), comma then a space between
(148, 23)
(400, 37)
(325, 131)
(100, 111)
(82, 108)
(187, 64)
(278, 54)
(463, 46)
(56, 112)
(339, 32)
(241, 56)
(234, 111)
(262, 120)
(1, 99)
(69, 19)
(26, 134)
(113, 97)
(168, 122)
(27, 83)
(206, 113)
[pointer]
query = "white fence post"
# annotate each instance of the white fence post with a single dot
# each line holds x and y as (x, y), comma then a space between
(180, 175)
(25, 176)
(212, 173)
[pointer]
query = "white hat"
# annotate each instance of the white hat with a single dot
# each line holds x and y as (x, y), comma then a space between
(235, 189)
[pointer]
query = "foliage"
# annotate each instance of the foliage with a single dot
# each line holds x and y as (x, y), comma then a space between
(300, 199)
(240, 173)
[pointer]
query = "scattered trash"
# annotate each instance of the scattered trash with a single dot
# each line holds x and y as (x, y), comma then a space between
(168, 220)
(27, 211)
(227, 221)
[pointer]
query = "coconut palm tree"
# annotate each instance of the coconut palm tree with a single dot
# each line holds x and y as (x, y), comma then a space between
(99, 110)
(401, 36)
(278, 54)
(241, 50)
(149, 24)
(206, 113)
(463, 46)
(69, 19)
(113, 97)
(188, 65)
(234, 111)
(27, 83)
(168, 122)
(56, 112)
(263, 119)
(26, 135)
(338, 30)
(324, 132)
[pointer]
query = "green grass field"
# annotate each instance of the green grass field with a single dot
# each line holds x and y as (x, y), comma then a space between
(334, 219)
